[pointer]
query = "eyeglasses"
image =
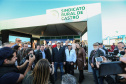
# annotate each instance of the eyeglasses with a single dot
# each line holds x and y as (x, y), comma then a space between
(19, 40)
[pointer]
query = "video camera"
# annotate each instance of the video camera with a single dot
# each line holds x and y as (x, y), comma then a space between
(112, 57)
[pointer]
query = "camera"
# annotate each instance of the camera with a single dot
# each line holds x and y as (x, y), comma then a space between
(51, 69)
(27, 57)
(112, 68)
(99, 59)
(112, 57)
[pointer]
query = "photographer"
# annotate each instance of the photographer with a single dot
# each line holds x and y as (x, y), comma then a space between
(40, 74)
(120, 51)
(117, 66)
(95, 53)
(9, 73)
(21, 53)
(107, 78)
(29, 52)
(123, 59)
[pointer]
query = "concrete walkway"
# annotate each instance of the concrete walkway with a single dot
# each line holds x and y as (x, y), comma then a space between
(88, 77)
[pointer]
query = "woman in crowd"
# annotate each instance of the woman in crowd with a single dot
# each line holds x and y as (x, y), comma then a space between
(81, 61)
(40, 74)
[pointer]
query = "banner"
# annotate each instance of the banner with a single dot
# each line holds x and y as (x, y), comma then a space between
(67, 14)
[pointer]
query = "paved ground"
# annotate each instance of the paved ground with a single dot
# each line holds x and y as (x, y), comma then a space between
(88, 77)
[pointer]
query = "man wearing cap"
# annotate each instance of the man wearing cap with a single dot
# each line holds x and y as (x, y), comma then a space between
(9, 73)
(102, 49)
(70, 59)
(95, 53)
(58, 59)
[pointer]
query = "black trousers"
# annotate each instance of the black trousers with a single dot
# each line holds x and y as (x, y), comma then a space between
(65, 68)
(69, 68)
(52, 79)
(81, 76)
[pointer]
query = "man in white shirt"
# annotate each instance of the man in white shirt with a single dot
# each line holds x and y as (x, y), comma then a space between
(70, 59)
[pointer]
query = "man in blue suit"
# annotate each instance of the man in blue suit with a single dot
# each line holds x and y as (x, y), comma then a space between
(58, 58)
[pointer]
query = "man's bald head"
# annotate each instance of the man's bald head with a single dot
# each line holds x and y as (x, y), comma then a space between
(18, 40)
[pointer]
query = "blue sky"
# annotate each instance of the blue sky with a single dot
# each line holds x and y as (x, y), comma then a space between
(113, 11)
(23, 39)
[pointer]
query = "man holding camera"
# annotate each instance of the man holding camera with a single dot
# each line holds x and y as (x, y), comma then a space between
(22, 53)
(120, 51)
(9, 73)
(96, 53)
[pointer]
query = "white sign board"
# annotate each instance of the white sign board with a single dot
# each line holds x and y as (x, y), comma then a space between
(66, 14)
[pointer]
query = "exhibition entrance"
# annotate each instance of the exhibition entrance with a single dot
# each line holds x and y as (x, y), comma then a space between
(67, 22)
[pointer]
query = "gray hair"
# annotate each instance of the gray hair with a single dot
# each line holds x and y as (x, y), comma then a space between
(68, 79)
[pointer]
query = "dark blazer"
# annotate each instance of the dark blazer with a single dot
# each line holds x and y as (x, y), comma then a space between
(58, 56)
(105, 51)
(97, 54)
(38, 55)
(48, 55)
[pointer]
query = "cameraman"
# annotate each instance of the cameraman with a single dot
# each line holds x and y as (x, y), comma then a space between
(120, 51)
(9, 73)
(123, 59)
(123, 81)
(96, 53)
(107, 78)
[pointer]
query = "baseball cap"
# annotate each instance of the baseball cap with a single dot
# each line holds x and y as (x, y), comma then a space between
(5, 52)
(49, 44)
(100, 43)
(95, 44)
(58, 41)
(69, 44)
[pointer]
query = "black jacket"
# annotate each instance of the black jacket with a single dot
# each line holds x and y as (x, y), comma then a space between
(58, 56)
(105, 51)
(38, 55)
(48, 55)
(97, 54)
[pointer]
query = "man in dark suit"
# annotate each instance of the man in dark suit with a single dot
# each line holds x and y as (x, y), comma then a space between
(49, 53)
(45, 54)
(40, 54)
(58, 59)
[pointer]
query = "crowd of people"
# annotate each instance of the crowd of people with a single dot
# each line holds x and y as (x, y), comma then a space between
(24, 65)
(119, 52)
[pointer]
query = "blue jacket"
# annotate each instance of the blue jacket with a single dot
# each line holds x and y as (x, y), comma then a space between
(58, 56)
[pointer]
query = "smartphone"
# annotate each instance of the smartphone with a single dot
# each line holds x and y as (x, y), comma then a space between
(99, 59)
(112, 68)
